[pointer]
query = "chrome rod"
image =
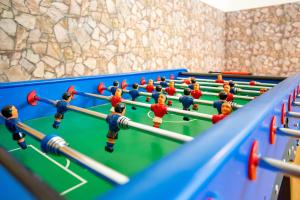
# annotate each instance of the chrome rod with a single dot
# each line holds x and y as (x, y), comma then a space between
(293, 114)
(98, 168)
(145, 105)
(239, 82)
(296, 103)
(280, 166)
(289, 132)
(141, 127)
(201, 83)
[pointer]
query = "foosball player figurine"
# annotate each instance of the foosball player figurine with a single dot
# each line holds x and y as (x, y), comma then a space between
(193, 82)
(186, 101)
(171, 90)
(112, 120)
(114, 100)
(10, 114)
(163, 82)
(115, 87)
(218, 104)
(233, 90)
(227, 91)
(225, 111)
(149, 88)
(61, 109)
(263, 90)
(156, 93)
(134, 93)
(219, 79)
(159, 109)
(196, 94)
(187, 81)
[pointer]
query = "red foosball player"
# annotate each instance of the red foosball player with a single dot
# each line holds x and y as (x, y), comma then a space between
(219, 79)
(112, 120)
(263, 90)
(196, 94)
(227, 91)
(225, 111)
(117, 98)
(11, 117)
(159, 109)
(187, 81)
(171, 90)
(149, 88)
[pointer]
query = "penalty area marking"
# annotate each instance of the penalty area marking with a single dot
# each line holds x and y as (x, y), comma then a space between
(166, 121)
(65, 168)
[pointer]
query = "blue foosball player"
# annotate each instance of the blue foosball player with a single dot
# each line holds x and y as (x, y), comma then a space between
(114, 88)
(61, 109)
(134, 93)
(186, 101)
(112, 120)
(10, 114)
(163, 82)
(193, 82)
(218, 104)
(233, 90)
(156, 93)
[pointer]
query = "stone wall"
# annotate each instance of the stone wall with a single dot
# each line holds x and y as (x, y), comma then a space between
(266, 39)
(42, 39)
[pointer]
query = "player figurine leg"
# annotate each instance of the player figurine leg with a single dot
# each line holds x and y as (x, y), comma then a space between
(61, 107)
(112, 120)
(11, 118)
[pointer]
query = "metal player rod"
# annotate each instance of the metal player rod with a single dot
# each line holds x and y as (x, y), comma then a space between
(279, 166)
(289, 132)
(201, 83)
(145, 105)
(238, 82)
(205, 93)
(59, 146)
(218, 89)
(296, 103)
(293, 114)
(125, 123)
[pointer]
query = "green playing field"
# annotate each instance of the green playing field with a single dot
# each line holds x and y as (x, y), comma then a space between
(134, 150)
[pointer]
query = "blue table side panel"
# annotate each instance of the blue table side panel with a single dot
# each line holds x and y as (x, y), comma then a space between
(16, 92)
(215, 163)
(11, 188)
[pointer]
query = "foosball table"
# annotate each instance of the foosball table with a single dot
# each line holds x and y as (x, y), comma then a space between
(189, 156)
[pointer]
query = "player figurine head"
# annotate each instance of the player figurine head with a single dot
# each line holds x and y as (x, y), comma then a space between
(67, 96)
(226, 88)
(219, 77)
(158, 88)
(118, 92)
(120, 108)
(231, 84)
(222, 95)
(171, 84)
(135, 86)
(196, 86)
(116, 83)
(9, 111)
(226, 108)
(161, 99)
(150, 82)
(187, 91)
(193, 81)
(163, 78)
